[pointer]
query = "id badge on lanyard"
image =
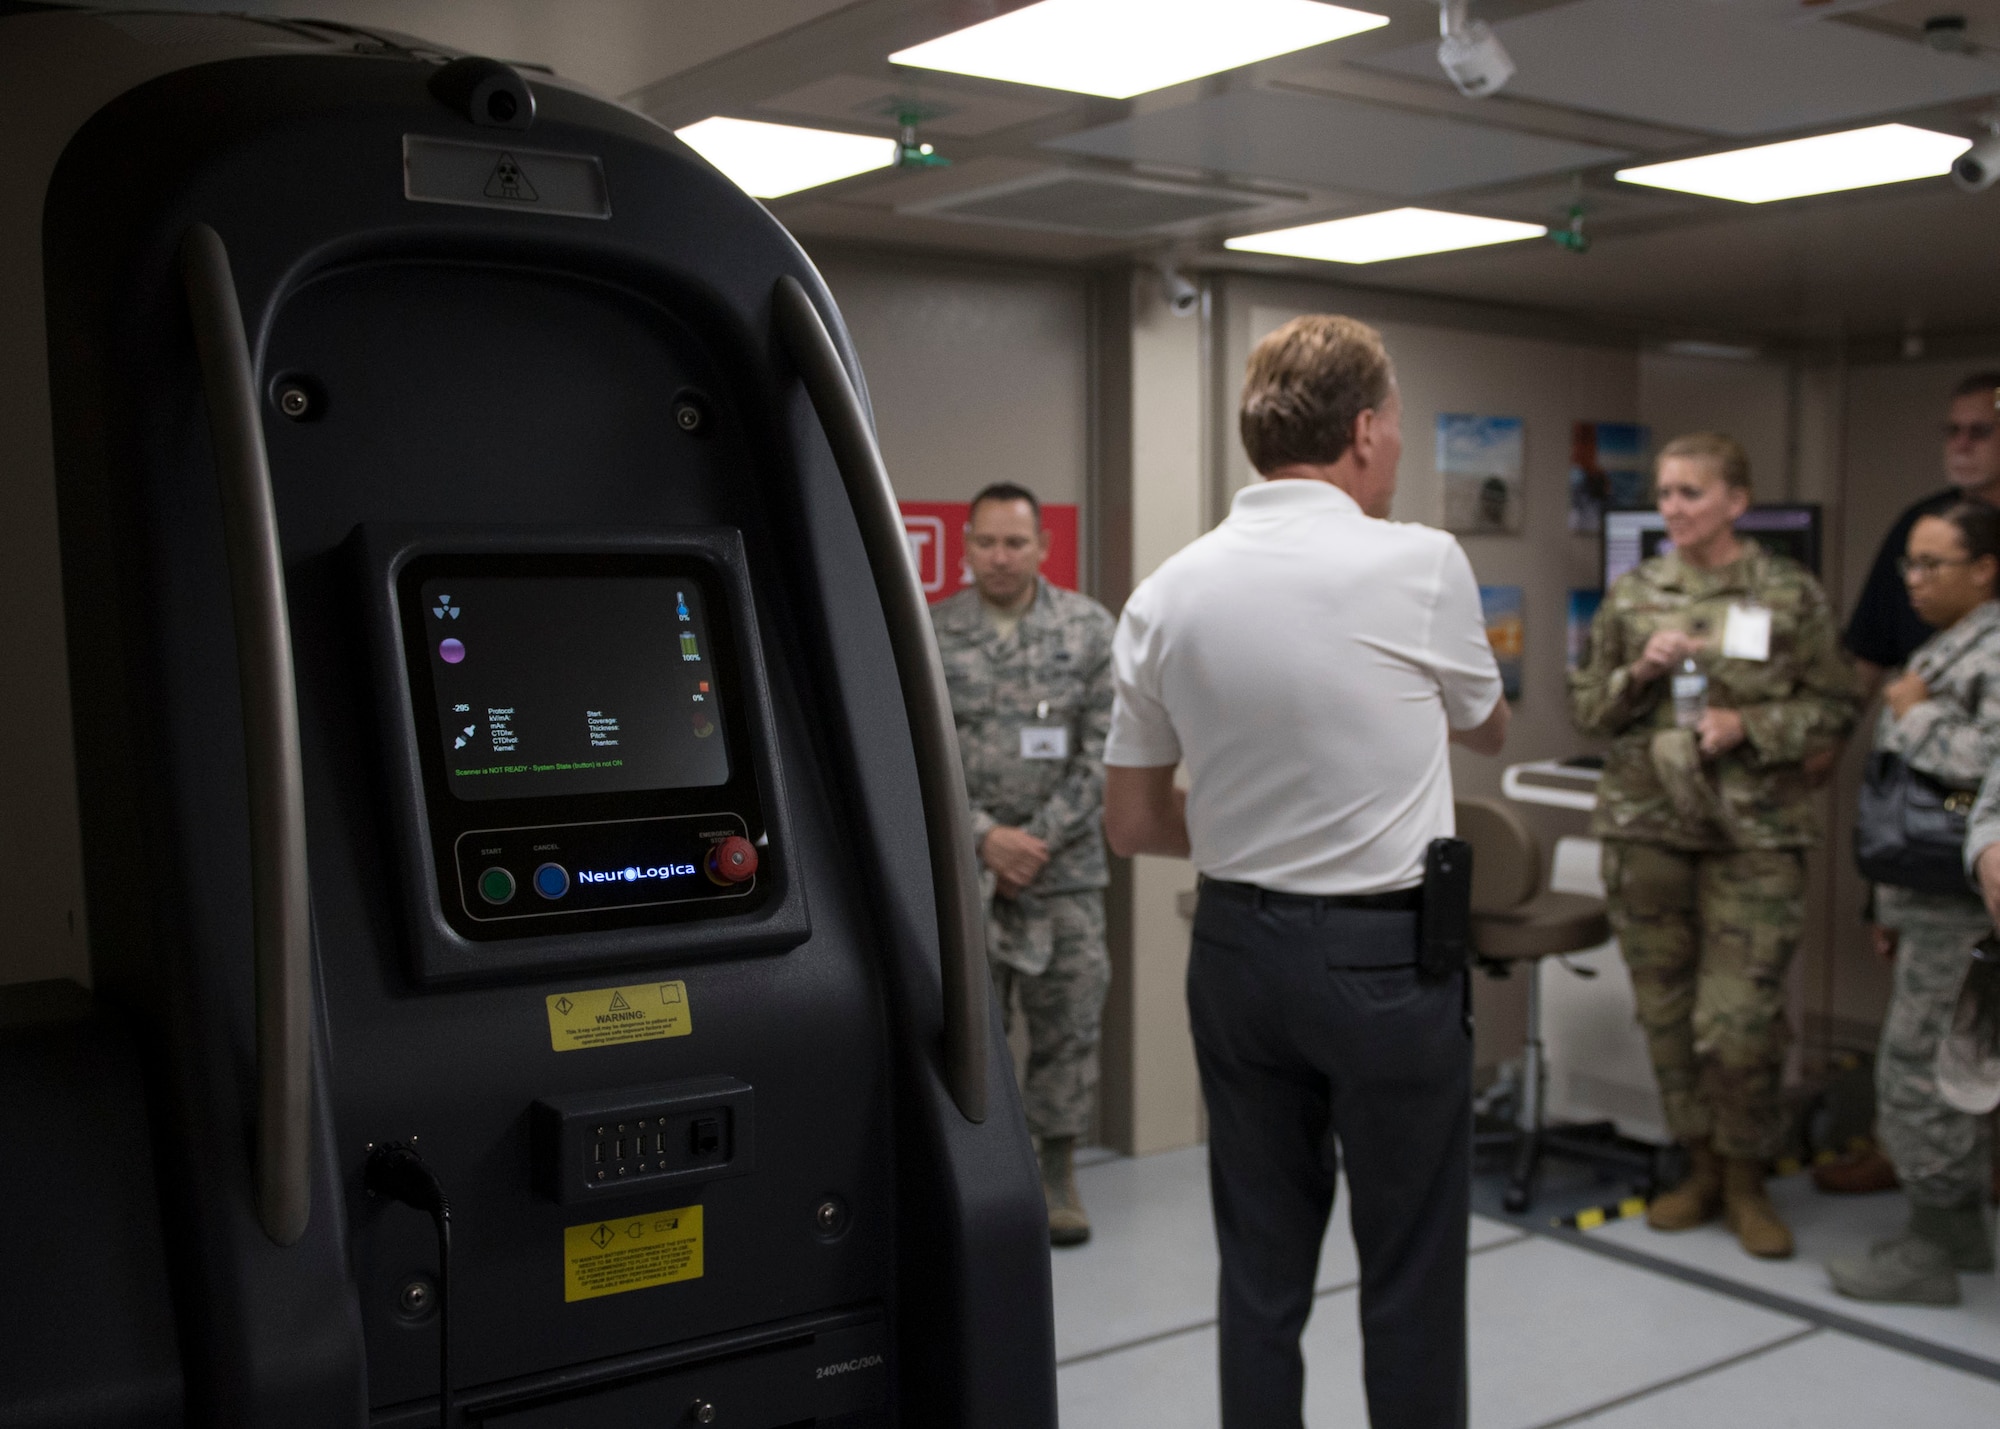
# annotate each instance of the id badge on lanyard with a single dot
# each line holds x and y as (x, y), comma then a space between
(1746, 634)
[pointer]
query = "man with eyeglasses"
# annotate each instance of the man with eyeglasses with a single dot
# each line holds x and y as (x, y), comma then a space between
(1885, 631)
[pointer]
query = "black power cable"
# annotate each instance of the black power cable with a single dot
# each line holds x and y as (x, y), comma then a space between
(397, 1172)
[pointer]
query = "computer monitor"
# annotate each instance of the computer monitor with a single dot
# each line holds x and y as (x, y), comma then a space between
(1788, 530)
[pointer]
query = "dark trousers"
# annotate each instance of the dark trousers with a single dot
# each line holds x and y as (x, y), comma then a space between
(1311, 1028)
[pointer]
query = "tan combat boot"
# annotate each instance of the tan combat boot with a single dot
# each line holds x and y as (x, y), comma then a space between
(1698, 1197)
(1068, 1225)
(1749, 1210)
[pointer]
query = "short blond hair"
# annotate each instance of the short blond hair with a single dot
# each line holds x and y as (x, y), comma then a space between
(1731, 461)
(1305, 385)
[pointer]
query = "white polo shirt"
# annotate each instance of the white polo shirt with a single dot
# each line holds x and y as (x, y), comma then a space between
(1307, 661)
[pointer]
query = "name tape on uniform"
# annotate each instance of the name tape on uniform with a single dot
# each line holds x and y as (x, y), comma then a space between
(1045, 741)
(608, 1016)
(631, 1253)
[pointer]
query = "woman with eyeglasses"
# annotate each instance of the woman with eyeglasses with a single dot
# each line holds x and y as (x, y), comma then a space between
(1942, 717)
(1714, 671)
(1885, 630)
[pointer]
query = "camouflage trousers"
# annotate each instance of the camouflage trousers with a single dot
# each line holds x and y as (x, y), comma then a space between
(1063, 1004)
(1708, 937)
(1941, 1154)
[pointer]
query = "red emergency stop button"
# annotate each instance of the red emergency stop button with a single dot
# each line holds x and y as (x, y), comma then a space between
(734, 860)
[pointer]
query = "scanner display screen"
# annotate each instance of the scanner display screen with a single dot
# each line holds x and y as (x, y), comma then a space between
(567, 685)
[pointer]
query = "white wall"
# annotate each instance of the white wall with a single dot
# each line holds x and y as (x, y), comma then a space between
(1169, 509)
(978, 374)
(1748, 400)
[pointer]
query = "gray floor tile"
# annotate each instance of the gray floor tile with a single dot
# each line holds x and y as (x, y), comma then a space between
(1555, 1331)
(1825, 1381)
(1826, 1226)
(1163, 1384)
(1149, 1267)
(1553, 1334)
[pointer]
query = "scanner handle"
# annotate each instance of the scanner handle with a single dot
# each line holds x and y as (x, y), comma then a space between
(940, 772)
(281, 921)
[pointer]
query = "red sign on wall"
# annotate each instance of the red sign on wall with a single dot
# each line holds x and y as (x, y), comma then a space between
(936, 533)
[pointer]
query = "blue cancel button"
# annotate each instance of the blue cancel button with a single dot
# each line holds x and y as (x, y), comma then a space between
(552, 880)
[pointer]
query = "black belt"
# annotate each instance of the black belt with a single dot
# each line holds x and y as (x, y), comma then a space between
(1400, 900)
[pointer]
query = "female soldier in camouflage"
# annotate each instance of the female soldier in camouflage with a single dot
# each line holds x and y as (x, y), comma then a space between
(1705, 825)
(1942, 715)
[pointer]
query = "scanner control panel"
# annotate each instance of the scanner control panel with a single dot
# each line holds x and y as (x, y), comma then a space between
(550, 871)
(580, 722)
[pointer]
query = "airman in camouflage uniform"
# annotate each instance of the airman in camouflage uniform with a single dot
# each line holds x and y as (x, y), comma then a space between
(1033, 708)
(1942, 1156)
(1704, 858)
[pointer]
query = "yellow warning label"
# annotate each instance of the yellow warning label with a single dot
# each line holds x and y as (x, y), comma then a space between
(631, 1253)
(606, 1016)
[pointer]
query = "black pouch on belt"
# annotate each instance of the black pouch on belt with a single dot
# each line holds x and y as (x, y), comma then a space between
(1444, 926)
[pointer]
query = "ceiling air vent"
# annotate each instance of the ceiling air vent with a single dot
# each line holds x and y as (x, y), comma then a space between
(1069, 201)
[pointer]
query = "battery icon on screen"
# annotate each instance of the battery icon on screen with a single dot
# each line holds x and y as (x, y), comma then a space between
(688, 652)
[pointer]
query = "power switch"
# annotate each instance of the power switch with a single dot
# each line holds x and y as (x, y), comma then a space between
(642, 1138)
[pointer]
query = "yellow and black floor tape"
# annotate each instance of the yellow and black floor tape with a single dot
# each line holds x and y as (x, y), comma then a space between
(1791, 1165)
(1591, 1217)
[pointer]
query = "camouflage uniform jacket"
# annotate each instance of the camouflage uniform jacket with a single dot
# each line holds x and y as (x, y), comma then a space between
(1655, 786)
(1053, 671)
(1982, 825)
(1954, 736)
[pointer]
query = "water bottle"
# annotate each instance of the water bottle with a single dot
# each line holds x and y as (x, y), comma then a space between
(1690, 688)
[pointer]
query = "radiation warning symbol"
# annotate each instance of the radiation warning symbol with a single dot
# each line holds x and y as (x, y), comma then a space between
(509, 182)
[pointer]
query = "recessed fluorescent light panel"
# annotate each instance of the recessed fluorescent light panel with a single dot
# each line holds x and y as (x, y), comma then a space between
(1377, 237)
(1823, 164)
(1119, 48)
(771, 160)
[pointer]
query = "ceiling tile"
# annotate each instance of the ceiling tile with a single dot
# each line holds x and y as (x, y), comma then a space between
(1702, 65)
(1084, 201)
(1549, 202)
(1332, 144)
(903, 188)
(850, 99)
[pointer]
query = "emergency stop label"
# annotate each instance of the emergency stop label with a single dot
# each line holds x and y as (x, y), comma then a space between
(632, 1253)
(607, 1016)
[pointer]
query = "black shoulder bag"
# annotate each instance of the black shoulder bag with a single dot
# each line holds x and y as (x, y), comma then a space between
(1909, 830)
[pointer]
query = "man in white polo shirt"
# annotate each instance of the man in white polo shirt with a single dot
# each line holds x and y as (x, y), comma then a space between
(1308, 661)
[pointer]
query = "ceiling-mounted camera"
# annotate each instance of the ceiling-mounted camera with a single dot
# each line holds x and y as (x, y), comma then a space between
(1978, 166)
(1182, 298)
(1471, 54)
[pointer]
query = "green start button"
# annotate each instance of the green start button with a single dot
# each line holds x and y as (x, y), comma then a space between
(496, 886)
